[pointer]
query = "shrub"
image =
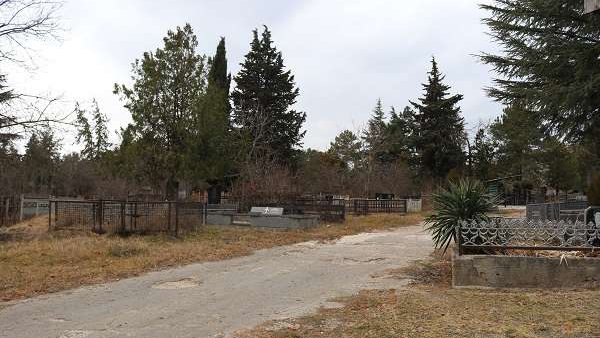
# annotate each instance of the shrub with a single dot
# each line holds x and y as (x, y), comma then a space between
(466, 200)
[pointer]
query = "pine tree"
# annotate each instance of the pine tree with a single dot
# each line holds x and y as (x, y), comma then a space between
(93, 137)
(400, 136)
(374, 135)
(441, 137)
(550, 63)
(6, 136)
(483, 156)
(102, 143)
(40, 160)
(85, 135)
(519, 139)
(263, 99)
(347, 147)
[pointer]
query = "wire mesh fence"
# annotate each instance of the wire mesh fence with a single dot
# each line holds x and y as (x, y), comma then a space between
(9, 210)
(125, 217)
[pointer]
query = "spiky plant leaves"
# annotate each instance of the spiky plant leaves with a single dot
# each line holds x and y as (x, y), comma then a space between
(465, 201)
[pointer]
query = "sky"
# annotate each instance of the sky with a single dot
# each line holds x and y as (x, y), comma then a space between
(345, 54)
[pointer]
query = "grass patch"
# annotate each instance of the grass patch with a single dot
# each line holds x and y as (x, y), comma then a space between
(431, 309)
(33, 261)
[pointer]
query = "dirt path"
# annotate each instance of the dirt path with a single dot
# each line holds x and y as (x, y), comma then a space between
(216, 299)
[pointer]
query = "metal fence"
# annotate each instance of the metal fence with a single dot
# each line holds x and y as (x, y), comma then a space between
(529, 235)
(9, 210)
(572, 210)
(125, 217)
(329, 210)
(369, 206)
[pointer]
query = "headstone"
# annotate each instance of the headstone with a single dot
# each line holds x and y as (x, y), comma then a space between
(266, 211)
(597, 218)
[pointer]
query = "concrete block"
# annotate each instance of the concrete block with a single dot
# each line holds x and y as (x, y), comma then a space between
(488, 271)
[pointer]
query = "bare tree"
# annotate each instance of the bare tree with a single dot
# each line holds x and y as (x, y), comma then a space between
(23, 22)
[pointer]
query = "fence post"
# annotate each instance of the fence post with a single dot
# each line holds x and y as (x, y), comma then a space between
(49, 215)
(21, 208)
(176, 219)
(55, 213)
(122, 231)
(169, 216)
(101, 214)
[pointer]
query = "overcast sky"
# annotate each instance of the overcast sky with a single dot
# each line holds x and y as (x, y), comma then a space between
(345, 54)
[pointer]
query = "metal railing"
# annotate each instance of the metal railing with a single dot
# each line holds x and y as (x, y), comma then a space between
(125, 216)
(521, 234)
(370, 206)
(573, 210)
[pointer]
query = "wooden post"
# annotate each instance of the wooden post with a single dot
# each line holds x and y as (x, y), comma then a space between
(169, 217)
(21, 208)
(55, 213)
(122, 217)
(176, 219)
(49, 215)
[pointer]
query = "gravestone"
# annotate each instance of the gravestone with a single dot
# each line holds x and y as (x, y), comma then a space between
(266, 211)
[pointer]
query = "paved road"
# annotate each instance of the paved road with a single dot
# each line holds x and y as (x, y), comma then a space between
(216, 299)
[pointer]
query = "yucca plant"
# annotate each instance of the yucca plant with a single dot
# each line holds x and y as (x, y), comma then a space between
(467, 200)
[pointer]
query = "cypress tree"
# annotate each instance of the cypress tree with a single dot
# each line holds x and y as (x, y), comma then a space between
(441, 135)
(263, 98)
(210, 143)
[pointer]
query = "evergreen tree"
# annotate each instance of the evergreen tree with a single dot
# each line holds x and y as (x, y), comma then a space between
(84, 133)
(6, 95)
(40, 160)
(212, 146)
(441, 136)
(518, 138)
(550, 63)
(263, 98)
(166, 99)
(374, 135)
(400, 136)
(560, 165)
(348, 148)
(483, 156)
(102, 144)
(93, 137)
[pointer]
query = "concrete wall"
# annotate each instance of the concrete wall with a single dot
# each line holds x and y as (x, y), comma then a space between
(263, 221)
(285, 221)
(215, 218)
(524, 272)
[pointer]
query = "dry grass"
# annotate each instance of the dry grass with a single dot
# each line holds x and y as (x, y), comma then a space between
(33, 261)
(430, 308)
